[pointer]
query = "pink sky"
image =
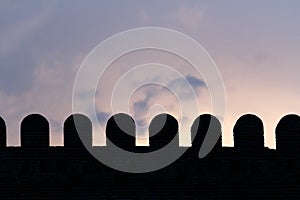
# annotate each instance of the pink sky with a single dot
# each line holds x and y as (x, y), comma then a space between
(254, 44)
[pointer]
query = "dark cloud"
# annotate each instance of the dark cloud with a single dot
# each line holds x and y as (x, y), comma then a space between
(195, 82)
(140, 106)
(103, 116)
(141, 122)
(192, 80)
(181, 88)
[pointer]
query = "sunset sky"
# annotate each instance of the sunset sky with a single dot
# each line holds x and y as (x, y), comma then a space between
(255, 44)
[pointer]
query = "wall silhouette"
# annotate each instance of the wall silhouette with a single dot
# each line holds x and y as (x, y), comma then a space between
(249, 169)
(2, 133)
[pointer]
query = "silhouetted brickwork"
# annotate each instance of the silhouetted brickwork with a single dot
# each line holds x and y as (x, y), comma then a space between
(248, 170)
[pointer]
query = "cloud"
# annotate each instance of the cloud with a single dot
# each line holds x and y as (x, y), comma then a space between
(186, 87)
(164, 96)
(20, 49)
(50, 94)
(103, 117)
(143, 16)
(13, 36)
(187, 16)
(195, 82)
(139, 106)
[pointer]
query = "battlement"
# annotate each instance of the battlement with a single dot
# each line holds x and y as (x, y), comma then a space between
(248, 131)
(37, 169)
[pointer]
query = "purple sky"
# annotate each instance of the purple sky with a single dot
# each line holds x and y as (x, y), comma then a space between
(255, 45)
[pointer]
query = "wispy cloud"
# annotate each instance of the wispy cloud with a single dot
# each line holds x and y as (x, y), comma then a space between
(13, 36)
(50, 94)
(166, 97)
(103, 117)
(187, 16)
(186, 86)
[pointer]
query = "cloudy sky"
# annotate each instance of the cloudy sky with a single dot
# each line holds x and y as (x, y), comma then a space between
(255, 45)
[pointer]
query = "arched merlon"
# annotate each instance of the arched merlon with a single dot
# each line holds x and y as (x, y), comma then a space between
(78, 131)
(120, 130)
(288, 133)
(248, 133)
(162, 130)
(35, 131)
(206, 131)
(3, 140)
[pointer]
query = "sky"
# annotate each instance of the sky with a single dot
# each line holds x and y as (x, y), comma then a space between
(255, 45)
